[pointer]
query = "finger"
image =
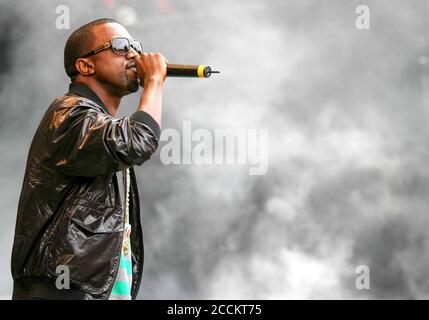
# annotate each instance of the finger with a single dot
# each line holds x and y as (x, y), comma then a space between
(165, 59)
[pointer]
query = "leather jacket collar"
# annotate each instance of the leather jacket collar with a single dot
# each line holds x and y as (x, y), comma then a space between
(84, 91)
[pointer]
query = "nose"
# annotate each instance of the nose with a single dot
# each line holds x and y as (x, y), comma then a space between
(132, 54)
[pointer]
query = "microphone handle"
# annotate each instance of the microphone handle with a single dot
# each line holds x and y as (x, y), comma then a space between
(195, 71)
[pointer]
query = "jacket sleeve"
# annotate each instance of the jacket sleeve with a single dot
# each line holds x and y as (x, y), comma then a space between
(87, 142)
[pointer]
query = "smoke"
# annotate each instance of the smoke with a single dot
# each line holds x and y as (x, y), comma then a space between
(346, 112)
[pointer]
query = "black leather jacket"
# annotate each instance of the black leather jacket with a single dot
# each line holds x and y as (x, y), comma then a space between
(69, 210)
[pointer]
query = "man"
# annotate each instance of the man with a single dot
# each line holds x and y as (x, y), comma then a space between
(78, 217)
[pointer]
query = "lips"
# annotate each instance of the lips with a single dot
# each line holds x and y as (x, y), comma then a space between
(131, 65)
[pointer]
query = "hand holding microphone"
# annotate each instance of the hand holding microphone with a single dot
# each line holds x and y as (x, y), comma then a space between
(152, 69)
(156, 66)
(151, 66)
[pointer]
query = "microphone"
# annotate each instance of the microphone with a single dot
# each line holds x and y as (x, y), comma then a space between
(195, 71)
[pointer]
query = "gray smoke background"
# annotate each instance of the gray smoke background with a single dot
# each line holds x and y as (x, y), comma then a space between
(347, 113)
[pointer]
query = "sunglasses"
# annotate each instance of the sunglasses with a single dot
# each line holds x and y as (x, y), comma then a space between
(120, 46)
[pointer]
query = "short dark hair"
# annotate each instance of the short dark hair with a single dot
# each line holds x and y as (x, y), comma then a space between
(79, 43)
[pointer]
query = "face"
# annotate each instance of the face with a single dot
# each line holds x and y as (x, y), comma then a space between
(115, 72)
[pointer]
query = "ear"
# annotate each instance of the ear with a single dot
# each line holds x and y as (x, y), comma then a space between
(85, 67)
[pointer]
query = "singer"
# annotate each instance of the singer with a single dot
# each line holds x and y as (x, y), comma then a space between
(78, 233)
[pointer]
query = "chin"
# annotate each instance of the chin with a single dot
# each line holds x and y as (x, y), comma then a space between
(133, 85)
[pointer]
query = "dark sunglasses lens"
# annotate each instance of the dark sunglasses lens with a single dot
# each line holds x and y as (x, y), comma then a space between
(137, 46)
(120, 46)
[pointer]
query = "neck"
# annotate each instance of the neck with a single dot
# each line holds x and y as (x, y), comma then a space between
(110, 100)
